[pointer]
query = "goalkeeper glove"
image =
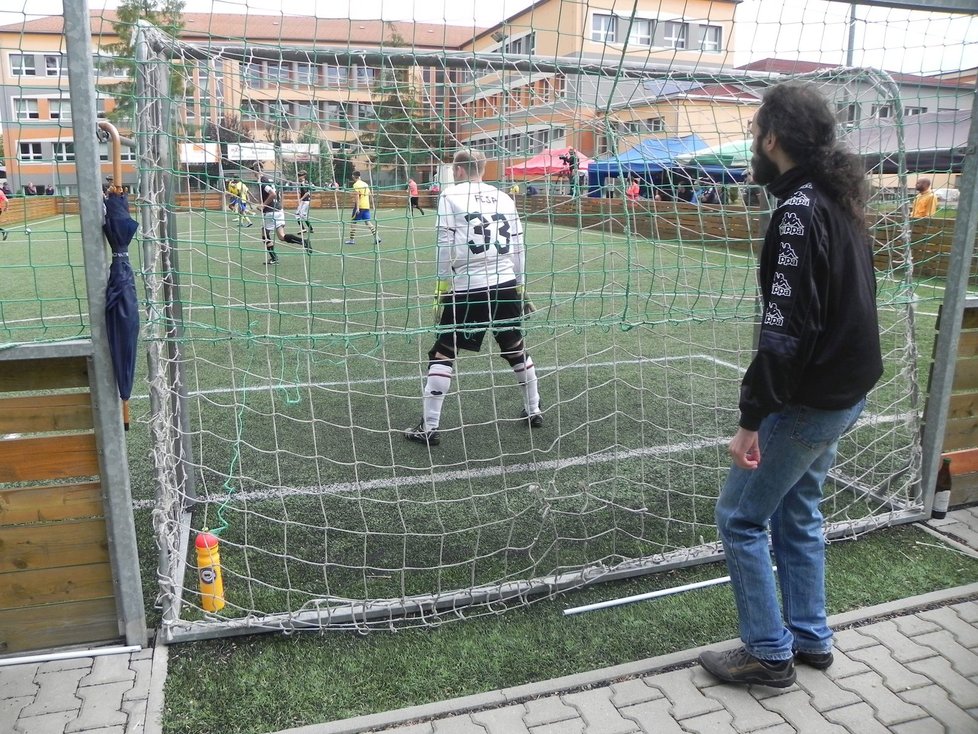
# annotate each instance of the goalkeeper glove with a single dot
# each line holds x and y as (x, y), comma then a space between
(527, 306)
(443, 288)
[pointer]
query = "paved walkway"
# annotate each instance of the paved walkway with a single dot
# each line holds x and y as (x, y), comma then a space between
(907, 667)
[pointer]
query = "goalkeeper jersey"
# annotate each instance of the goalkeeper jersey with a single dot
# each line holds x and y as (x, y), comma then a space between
(480, 237)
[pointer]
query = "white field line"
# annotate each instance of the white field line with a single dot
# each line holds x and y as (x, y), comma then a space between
(603, 457)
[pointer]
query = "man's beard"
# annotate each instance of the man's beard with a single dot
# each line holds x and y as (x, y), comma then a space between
(763, 169)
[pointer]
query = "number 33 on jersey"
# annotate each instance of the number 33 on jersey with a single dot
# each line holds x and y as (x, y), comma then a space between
(480, 237)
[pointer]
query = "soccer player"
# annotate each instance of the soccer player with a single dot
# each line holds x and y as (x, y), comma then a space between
(305, 199)
(414, 197)
(274, 220)
(3, 208)
(361, 209)
(480, 286)
(238, 192)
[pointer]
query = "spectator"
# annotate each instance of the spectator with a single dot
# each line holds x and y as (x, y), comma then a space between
(925, 203)
(49, 190)
(30, 189)
(632, 191)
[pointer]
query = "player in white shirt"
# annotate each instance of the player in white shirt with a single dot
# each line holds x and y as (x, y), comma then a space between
(480, 287)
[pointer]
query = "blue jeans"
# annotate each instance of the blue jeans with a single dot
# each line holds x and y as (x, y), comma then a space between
(798, 447)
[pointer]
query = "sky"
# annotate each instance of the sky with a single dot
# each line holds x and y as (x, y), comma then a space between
(913, 42)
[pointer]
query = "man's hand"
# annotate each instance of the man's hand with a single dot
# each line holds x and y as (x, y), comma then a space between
(744, 449)
(527, 306)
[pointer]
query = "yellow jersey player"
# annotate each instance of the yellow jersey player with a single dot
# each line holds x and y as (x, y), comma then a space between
(361, 209)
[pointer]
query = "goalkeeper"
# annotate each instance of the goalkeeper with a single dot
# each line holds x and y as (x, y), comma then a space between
(480, 287)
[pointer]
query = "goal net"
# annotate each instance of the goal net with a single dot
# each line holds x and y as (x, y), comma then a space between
(280, 391)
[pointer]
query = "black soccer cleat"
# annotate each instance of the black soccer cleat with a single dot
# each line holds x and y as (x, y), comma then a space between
(535, 420)
(420, 435)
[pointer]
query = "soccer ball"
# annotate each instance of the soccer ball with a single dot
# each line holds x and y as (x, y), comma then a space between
(28, 230)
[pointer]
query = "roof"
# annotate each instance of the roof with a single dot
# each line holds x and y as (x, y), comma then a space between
(278, 28)
(797, 66)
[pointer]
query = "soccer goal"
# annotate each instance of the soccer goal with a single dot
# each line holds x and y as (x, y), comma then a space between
(280, 392)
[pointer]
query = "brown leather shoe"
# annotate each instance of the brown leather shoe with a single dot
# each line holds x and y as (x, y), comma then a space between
(739, 666)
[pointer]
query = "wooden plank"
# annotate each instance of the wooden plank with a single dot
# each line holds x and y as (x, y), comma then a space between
(20, 589)
(965, 375)
(22, 505)
(964, 461)
(969, 319)
(963, 405)
(43, 374)
(46, 458)
(52, 545)
(58, 625)
(46, 413)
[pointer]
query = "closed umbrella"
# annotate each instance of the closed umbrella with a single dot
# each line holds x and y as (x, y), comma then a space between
(121, 306)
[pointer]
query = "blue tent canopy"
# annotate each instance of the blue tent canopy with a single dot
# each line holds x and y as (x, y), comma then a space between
(652, 155)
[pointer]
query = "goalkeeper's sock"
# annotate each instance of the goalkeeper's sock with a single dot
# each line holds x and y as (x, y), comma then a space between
(437, 386)
(294, 239)
(526, 375)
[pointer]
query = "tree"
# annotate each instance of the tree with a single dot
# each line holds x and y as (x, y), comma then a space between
(228, 130)
(167, 15)
(403, 132)
(326, 167)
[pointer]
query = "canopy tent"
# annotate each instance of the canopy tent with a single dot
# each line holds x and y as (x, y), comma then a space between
(934, 141)
(725, 162)
(547, 163)
(650, 156)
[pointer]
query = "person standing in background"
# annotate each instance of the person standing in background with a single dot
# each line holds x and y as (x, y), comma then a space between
(414, 196)
(925, 203)
(302, 208)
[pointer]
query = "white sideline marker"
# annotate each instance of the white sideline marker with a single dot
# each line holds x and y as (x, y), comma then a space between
(648, 595)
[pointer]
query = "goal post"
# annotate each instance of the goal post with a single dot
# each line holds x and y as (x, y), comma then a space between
(279, 395)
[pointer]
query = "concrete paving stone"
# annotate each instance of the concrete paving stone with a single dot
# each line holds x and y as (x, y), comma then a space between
(912, 625)
(109, 669)
(599, 714)
(424, 728)
(653, 717)
(686, 699)
(963, 660)
(18, 680)
(824, 692)
(136, 712)
(857, 718)
(548, 710)
(457, 725)
(962, 691)
(848, 640)
(630, 692)
(889, 708)
(10, 708)
(897, 677)
(903, 649)
(106, 730)
(796, 708)
(53, 723)
(506, 720)
(967, 610)
(779, 729)
(56, 693)
(965, 633)
(140, 686)
(747, 713)
(920, 726)
(101, 705)
(719, 722)
(934, 700)
(570, 726)
(842, 667)
(145, 654)
(964, 533)
(57, 666)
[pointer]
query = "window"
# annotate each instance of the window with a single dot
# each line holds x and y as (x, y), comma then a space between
(52, 64)
(525, 45)
(676, 34)
(22, 65)
(26, 109)
(306, 74)
(712, 38)
(30, 152)
(64, 152)
(59, 109)
(881, 111)
(278, 73)
(655, 125)
(279, 110)
(252, 75)
(337, 75)
(127, 154)
(847, 112)
(190, 109)
(640, 33)
(914, 111)
(100, 109)
(604, 28)
(366, 76)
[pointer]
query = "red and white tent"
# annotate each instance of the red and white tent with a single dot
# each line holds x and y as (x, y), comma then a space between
(547, 163)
